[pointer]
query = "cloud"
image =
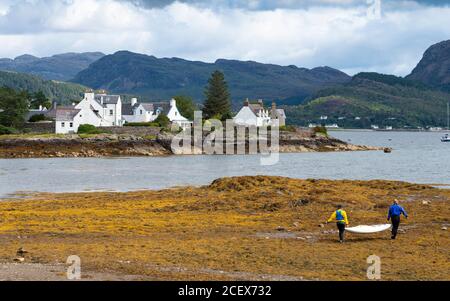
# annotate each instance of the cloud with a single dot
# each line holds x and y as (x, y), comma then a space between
(337, 33)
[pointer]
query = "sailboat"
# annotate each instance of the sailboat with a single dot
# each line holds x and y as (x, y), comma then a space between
(446, 137)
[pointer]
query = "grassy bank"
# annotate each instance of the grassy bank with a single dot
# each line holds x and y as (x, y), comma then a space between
(238, 228)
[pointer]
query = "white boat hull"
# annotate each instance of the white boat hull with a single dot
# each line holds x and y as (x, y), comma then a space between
(364, 229)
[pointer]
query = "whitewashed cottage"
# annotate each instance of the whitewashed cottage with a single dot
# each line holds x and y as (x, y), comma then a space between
(255, 114)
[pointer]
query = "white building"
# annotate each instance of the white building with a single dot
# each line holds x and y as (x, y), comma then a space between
(148, 112)
(102, 110)
(107, 109)
(254, 114)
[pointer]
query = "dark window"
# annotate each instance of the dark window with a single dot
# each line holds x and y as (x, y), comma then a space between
(111, 112)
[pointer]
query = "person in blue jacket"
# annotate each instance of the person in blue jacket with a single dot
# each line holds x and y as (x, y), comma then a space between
(394, 215)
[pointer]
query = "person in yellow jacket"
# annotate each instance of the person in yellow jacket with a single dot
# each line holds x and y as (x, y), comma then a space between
(340, 216)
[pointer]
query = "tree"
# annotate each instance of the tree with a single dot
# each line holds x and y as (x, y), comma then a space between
(39, 99)
(217, 101)
(186, 106)
(15, 107)
(162, 120)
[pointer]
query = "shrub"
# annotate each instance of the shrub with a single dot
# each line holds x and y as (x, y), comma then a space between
(88, 129)
(4, 130)
(39, 117)
(163, 120)
(288, 128)
(320, 130)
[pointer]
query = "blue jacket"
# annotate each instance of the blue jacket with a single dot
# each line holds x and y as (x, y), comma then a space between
(396, 210)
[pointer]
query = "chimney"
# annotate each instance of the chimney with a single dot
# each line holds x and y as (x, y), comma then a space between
(54, 105)
(260, 101)
(40, 108)
(274, 105)
(173, 103)
(246, 103)
(133, 101)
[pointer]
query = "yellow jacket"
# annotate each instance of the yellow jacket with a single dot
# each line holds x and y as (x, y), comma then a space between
(342, 218)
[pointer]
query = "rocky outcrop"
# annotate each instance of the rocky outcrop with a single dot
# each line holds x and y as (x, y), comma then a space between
(112, 145)
(75, 146)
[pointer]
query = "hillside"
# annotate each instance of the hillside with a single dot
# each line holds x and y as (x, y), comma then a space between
(58, 67)
(62, 92)
(383, 100)
(131, 73)
(434, 68)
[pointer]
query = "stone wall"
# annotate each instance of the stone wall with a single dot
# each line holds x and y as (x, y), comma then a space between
(47, 127)
(133, 130)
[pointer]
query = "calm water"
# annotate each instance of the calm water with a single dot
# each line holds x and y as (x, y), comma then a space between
(417, 157)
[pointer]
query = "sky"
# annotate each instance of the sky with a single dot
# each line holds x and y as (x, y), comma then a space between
(386, 36)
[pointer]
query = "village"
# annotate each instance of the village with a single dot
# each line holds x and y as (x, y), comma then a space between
(104, 110)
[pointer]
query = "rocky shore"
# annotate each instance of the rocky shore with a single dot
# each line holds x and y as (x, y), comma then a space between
(120, 145)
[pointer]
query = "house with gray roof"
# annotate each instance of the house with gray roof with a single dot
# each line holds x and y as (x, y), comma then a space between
(255, 114)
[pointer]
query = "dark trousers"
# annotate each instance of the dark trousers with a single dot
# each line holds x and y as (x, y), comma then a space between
(395, 223)
(341, 228)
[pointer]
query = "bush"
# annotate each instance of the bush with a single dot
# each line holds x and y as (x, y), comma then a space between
(88, 129)
(288, 128)
(4, 130)
(163, 121)
(321, 130)
(39, 117)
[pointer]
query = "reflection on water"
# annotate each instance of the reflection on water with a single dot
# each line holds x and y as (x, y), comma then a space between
(417, 157)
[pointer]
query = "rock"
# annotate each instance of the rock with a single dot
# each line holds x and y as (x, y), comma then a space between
(387, 150)
(296, 224)
(21, 251)
(321, 225)
(19, 259)
(301, 238)
(426, 203)
(279, 228)
(444, 228)
(308, 237)
(401, 231)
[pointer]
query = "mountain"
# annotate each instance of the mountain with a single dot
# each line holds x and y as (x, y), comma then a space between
(62, 92)
(434, 68)
(377, 99)
(161, 78)
(58, 67)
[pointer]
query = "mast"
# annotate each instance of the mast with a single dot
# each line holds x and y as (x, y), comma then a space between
(448, 116)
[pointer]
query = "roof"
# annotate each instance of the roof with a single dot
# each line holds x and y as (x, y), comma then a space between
(127, 108)
(162, 106)
(66, 113)
(107, 99)
(255, 107)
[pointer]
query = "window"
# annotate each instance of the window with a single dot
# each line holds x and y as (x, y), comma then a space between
(141, 112)
(63, 124)
(111, 112)
(71, 125)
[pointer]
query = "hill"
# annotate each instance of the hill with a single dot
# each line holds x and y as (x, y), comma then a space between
(434, 68)
(58, 67)
(377, 99)
(161, 78)
(62, 92)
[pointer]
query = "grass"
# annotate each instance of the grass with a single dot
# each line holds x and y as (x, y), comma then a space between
(232, 226)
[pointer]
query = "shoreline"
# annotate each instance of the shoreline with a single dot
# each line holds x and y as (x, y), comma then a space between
(118, 146)
(274, 225)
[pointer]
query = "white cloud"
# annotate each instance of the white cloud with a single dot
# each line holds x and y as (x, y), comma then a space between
(337, 36)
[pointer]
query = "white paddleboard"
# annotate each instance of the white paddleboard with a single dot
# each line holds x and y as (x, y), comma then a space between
(363, 229)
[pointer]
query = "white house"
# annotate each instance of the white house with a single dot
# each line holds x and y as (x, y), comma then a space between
(148, 112)
(138, 112)
(254, 114)
(107, 109)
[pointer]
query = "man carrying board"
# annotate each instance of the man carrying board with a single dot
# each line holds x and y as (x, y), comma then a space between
(394, 215)
(340, 216)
